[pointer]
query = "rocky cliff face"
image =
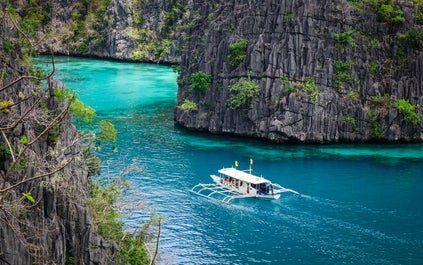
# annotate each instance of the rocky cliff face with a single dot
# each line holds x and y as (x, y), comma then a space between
(44, 218)
(325, 71)
(125, 30)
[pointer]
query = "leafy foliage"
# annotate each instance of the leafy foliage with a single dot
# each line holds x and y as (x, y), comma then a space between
(242, 93)
(32, 22)
(409, 111)
(386, 10)
(375, 124)
(188, 105)
(287, 84)
(108, 131)
(308, 87)
(132, 249)
(382, 100)
(24, 140)
(6, 105)
(343, 73)
(344, 39)
(354, 95)
(376, 129)
(37, 72)
(312, 90)
(8, 46)
(373, 68)
(200, 81)
(102, 198)
(349, 119)
(28, 196)
(83, 112)
(390, 12)
(237, 52)
(412, 38)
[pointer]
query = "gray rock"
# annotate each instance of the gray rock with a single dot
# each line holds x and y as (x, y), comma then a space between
(288, 43)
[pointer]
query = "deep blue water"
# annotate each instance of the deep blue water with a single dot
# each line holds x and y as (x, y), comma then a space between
(361, 204)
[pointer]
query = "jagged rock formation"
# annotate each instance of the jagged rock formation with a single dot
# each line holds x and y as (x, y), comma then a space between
(327, 71)
(44, 218)
(125, 30)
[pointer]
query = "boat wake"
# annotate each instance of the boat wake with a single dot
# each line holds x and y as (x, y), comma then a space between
(283, 189)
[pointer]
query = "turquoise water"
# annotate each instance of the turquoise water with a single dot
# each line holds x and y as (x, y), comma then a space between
(361, 204)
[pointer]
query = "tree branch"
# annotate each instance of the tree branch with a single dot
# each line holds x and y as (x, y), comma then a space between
(32, 77)
(56, 120)
(23, 116)
(38, 177)
(153, 260)
(8, 145)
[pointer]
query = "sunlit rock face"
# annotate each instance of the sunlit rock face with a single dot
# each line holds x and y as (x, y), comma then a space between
(327, 71)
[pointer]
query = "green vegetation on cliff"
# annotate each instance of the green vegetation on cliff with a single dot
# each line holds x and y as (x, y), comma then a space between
(243, 93)
(409, 111)
(200, 81)
(237, 52)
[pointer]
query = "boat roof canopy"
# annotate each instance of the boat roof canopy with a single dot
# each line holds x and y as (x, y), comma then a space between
(243, 176)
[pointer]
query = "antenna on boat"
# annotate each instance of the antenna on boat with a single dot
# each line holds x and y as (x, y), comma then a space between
(251, 163)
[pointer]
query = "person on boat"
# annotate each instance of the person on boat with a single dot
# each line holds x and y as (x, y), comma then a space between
(262, 188)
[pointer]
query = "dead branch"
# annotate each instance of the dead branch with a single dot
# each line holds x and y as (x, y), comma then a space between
(9, 146)
(56, 120)
(157, 243)
(22, 116)
(32, 77)
(38, 177)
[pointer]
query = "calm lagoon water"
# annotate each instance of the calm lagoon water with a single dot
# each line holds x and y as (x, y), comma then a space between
(360, 204)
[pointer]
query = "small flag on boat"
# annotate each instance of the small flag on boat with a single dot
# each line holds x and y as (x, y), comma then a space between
(236, 163)
(251, 161)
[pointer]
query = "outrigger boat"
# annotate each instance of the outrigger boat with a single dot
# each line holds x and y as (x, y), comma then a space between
(233, 184)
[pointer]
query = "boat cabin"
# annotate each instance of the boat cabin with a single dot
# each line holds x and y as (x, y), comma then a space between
(244, 182)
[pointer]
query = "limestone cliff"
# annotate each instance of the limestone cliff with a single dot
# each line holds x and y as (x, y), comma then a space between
(44, 218)
(325, 71)
(125, 30)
